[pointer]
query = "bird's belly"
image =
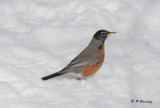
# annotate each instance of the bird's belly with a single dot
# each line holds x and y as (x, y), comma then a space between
(92, 69)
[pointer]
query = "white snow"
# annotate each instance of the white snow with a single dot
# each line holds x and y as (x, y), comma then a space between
(40, 37)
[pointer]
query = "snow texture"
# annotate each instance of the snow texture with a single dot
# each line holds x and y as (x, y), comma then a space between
(40, 37)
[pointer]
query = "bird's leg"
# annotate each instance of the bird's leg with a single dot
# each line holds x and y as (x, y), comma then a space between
(82, 78)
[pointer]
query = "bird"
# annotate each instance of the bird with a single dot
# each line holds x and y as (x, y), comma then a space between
(89, 61)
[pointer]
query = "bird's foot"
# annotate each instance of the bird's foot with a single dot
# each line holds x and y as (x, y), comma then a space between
(81, 78)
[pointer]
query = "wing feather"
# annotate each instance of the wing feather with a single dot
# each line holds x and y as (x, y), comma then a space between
(86, 58)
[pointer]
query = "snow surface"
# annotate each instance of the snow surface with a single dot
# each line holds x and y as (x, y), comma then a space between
(40, 37)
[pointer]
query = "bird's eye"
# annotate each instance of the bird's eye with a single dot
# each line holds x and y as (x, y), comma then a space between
(103, 33)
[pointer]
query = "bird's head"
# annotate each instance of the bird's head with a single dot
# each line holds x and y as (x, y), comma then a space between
(99, 38)
(102, 35)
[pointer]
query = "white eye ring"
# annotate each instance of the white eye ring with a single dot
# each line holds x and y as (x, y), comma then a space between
(103, 33)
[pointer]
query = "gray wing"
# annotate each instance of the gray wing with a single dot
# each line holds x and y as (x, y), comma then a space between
(86, 58)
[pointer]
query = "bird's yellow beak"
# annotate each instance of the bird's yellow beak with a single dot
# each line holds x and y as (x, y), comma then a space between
(110, 33)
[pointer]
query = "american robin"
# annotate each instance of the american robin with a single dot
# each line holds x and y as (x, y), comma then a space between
(89, 60)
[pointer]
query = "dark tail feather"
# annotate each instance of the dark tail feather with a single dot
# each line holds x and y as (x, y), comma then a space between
(52, 75)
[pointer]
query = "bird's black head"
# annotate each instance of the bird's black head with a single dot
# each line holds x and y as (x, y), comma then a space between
(102, 35)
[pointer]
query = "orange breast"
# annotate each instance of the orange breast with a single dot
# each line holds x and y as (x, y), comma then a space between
(93, 69)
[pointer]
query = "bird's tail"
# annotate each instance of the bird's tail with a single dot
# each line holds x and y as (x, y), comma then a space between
(53, 75)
